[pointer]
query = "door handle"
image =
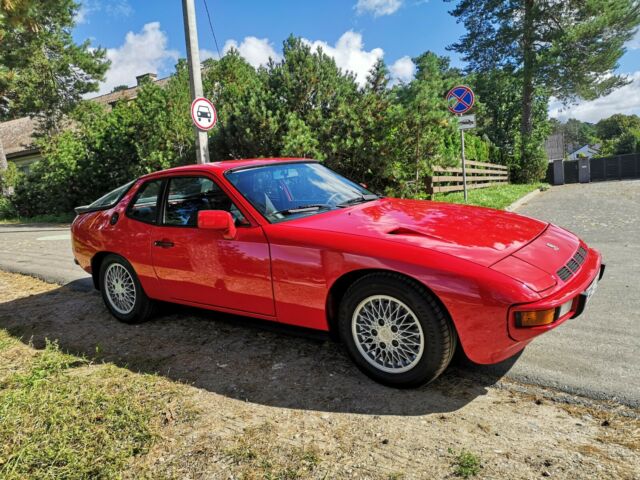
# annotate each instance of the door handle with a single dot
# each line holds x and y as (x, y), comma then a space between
(163, 243)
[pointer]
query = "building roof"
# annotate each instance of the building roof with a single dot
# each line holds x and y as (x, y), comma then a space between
(17, 135)
(109, 99)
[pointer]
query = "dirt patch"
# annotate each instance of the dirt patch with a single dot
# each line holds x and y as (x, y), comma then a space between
(278, 403)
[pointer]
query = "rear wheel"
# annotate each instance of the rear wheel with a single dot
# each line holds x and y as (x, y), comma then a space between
(395, 331)
(122, 292)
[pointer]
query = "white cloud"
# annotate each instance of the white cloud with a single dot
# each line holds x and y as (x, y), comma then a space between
(256, 51)
(115, 8)
(143, 52)
(350, 55)
(402, 70)
(207, 54)
(378, 7)
(119, 8)
(623, 100)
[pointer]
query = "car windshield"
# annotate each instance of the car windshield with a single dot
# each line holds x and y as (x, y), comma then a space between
(291, 190)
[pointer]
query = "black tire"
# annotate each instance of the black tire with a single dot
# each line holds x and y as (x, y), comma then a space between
(143, 306)
(440, 338)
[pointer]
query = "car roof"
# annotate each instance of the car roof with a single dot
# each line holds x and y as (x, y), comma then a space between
(226, 165)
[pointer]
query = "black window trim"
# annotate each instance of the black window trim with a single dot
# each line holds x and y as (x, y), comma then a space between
(163, 184)
(165, 197)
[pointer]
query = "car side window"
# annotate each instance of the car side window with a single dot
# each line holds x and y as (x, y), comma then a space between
(188, 195)
(144, 206)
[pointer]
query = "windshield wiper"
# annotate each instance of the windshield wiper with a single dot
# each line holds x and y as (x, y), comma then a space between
(358, 199)
(302, 209)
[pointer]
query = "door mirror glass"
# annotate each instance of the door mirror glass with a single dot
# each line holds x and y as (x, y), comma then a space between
(218, 220)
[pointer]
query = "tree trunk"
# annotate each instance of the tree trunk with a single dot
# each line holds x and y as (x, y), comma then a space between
(6, 190)
(526, 126)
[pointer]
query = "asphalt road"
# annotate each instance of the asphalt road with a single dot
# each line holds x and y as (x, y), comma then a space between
(596, 355)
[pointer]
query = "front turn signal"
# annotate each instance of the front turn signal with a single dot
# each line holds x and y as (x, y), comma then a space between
(536, 318)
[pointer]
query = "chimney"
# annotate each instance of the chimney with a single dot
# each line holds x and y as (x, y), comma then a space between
(151, 77)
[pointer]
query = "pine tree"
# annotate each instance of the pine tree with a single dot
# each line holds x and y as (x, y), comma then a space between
(568, 48)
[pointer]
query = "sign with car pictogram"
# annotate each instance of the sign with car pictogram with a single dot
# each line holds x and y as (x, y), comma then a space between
(203, 114)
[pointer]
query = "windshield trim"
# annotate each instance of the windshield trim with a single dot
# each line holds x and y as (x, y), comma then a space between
(251, 167)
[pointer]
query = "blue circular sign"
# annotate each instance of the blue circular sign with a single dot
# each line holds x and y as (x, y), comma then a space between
(460, 99)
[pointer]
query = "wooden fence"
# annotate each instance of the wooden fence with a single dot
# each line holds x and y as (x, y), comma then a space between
(479, 175)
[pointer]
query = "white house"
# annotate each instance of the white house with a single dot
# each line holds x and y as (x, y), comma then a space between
(586, 151)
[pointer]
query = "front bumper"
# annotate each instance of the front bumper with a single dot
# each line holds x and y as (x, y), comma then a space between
(574, 291)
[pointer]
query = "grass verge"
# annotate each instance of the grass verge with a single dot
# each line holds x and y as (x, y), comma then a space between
(63, 418)
(499, 197)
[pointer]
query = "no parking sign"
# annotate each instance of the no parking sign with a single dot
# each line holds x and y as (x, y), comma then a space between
(460, 99)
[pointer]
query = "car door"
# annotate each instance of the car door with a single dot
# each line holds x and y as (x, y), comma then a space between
(200, 266)
(130, 235)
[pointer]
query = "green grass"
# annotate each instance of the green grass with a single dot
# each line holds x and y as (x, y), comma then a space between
(498, 197)
(59, 218)
(61, 417)
(466, 464)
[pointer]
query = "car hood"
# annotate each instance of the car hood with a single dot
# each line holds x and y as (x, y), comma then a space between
(481, 235)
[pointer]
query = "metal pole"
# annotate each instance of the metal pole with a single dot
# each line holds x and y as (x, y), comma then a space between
(195, 75)
(464, 169)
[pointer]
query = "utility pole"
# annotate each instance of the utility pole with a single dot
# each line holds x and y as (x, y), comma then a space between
(195, 74)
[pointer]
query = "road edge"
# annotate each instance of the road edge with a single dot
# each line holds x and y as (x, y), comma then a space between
(522, 200)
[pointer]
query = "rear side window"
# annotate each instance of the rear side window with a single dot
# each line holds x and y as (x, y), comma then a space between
(144, 206)
(111, 198)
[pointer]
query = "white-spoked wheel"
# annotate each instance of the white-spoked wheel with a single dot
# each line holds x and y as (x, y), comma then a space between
(387, 334)
(120, 288)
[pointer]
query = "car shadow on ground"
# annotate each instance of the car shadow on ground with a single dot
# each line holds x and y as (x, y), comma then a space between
(249, 360)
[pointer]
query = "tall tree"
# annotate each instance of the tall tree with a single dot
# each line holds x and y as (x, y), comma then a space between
(42, 70)
(568, 48)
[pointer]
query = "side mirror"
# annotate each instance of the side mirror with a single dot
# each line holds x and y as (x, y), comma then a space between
(218, 220)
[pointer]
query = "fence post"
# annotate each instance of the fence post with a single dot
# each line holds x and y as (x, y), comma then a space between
(558, 172)
(584, 171)
(428, 184)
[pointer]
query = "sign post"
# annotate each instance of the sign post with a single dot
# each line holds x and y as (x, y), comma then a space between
(195, 75)
(461, 100)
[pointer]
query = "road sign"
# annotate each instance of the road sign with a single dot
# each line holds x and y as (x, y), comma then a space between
(203, 114)
(460, 99)
(466, 122)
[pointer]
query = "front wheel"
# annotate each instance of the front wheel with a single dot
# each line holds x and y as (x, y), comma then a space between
(395, 331)
(122, 292)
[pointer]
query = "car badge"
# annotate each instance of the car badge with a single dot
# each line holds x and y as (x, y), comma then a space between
(554, 247)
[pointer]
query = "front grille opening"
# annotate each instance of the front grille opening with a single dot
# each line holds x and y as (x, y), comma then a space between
(573, 265)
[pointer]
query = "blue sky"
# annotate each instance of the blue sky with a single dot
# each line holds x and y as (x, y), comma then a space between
(147, 36)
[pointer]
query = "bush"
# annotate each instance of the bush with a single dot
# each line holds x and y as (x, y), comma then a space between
(7, 209)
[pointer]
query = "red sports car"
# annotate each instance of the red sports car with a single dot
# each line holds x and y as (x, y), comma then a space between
(401, 282)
